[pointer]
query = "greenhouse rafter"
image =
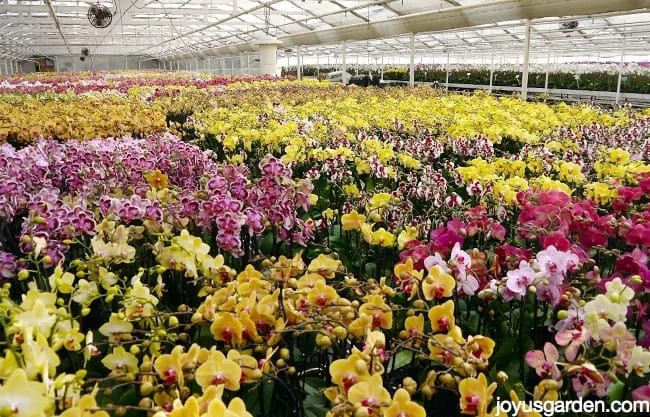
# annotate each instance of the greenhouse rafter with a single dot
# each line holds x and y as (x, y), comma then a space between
(198, 30)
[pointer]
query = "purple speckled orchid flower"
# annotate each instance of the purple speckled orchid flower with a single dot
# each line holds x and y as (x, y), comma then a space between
(57, 190)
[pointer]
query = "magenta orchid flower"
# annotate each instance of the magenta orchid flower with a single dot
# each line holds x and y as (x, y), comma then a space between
(642, 393)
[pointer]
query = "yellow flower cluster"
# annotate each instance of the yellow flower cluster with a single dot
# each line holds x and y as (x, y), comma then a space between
(332, 109)
(83, 117)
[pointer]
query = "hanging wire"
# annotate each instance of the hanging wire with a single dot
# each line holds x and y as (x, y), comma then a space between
(175, 30)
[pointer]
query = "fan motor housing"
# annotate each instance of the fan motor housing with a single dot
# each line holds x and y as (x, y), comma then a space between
(100, 16)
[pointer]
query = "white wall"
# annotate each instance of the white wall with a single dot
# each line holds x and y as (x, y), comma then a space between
(9, 66)
(104, 62)
(244, 64)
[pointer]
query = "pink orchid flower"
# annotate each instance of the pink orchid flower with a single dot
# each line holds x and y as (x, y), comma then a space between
(544, 362)
(573, 340)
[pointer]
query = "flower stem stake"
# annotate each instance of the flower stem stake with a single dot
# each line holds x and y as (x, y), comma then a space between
(521, 334)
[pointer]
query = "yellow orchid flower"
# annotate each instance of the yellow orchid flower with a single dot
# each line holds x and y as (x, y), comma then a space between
(218, 370)
(438, 284)
(227, 328)
(442, 317)
(352, 220)
(170, 367)
(475, 395)
(86, 407)
(405, 271)
(348, 372)
(20, 397)
(324, 265)
(405, 236)
(369, 394)
(120, 361)
(117, 329)
(402, 406)
(322, 295)
(383, 238)
(61, 281)
(380, 313)
(157, 179)
(414, 325)
(480, 347)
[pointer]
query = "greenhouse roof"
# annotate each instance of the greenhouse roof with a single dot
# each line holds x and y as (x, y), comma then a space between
(197, 28)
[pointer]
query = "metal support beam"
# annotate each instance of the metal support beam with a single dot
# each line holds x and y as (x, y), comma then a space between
(57, 24)
(463, 17)
(524, 77)
(241, 13)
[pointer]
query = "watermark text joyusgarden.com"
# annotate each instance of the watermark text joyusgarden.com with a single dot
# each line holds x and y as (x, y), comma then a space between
(573, 407)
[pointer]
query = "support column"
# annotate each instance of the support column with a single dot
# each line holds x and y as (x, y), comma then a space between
(412, 63)
(344, 68)
(620, 71)
(492, 68)
(298, 63)
(447, 75)
(524, 77)
(381, 75)
(548, 66)
(269, 56)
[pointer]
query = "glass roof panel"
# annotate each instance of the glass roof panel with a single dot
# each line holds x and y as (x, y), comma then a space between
(162, 27)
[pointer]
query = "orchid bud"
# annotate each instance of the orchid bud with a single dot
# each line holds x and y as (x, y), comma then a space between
(146, 388)
(502, 377)
(197, 318)
(410, 385)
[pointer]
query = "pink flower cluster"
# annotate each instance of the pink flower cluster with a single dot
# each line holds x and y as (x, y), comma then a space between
(55, 191)
(106, 81)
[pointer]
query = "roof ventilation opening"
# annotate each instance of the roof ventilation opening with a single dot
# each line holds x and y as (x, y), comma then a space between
(569, 26)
